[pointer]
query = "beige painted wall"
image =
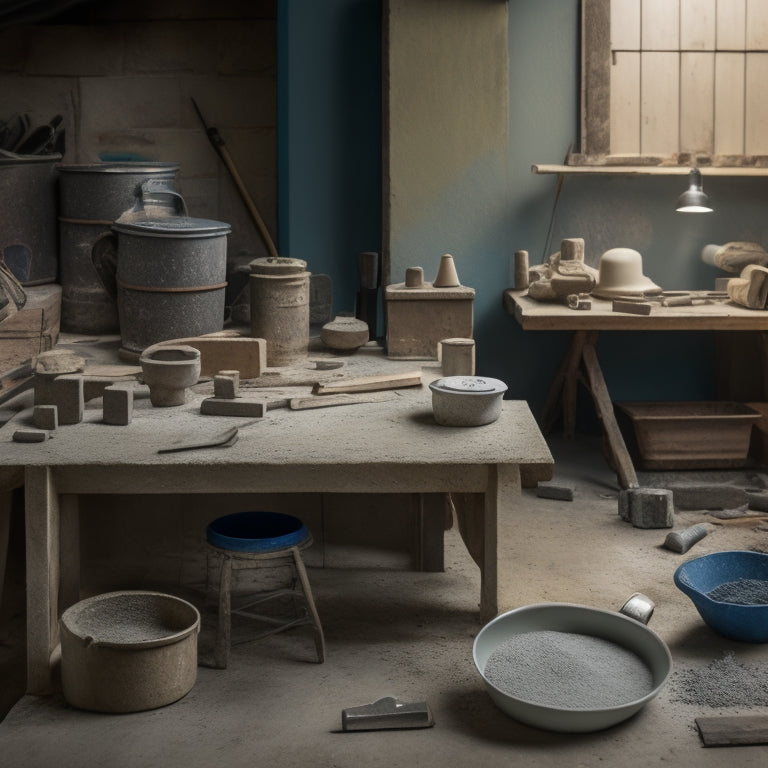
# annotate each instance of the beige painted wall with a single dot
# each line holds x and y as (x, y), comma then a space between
(445, 145)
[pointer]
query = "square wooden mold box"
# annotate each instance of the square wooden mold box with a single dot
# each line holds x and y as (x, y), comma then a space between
(419, 318)
(687, 434)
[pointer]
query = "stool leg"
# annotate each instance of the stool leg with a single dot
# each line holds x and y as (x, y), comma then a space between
(307, 589)
(223, 630)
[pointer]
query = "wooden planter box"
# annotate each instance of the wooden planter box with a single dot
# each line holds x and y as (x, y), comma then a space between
(687, 435)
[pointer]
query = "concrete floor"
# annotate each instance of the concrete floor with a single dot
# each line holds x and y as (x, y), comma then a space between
(410, 635)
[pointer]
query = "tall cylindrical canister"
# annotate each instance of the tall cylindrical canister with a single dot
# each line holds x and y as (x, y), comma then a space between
(171, 276)
(28, 216)
(280, 307)
(91, 197)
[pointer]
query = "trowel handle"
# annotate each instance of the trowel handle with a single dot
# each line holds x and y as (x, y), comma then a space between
(157, 192)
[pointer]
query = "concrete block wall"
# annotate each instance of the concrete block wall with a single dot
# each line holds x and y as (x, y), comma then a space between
(123, 74)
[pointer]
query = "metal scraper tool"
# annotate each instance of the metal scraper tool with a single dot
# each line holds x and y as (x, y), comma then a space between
(387, 713)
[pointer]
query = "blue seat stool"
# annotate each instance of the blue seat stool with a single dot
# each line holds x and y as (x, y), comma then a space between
(250, 540)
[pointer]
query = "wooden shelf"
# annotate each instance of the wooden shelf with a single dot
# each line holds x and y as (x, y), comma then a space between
(647, 170)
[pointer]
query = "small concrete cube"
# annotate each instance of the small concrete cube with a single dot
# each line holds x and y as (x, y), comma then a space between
(69, 398)
(225, 386)
(647, 507)
(118, 405)
(45, 416)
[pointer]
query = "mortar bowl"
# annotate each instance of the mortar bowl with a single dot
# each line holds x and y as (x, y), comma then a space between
(746, 622)
(168, 371)
(621, 629)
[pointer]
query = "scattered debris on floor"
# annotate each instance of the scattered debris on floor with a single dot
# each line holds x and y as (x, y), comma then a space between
(724, 682)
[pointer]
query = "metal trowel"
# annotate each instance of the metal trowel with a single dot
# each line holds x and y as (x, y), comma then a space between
(387, 713)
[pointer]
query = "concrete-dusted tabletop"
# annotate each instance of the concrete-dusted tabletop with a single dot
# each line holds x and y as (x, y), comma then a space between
(389, 446)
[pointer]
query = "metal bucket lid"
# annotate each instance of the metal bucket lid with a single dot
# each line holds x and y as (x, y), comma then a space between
(282, 265)
(144, 166)
(173, 226)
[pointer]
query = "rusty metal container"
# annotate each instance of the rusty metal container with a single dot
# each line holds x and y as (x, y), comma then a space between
(28, 216)
(91, 197)
(280, 307)
(171, 275)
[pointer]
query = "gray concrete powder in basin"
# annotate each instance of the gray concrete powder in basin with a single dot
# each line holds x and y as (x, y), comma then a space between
(127, 620)
(741, 592)
(568, 670)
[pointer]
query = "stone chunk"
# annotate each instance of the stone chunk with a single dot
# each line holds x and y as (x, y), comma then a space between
(30, 436)
(118, 405)
(632, 307)
(555, 491)
(647, 507)
(45, 416)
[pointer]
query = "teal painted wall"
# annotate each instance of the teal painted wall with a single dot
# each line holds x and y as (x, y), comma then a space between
(330, 201)
(329, 137)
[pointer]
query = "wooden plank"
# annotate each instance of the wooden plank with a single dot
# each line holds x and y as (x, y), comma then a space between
(370, 383)
(659, 103)
(697, 97)
(649, 170)
(625, 103)
(729, 103)
(622, 463)
(697, 25)
(625, 25)
(756, 118)
(731, 25)
(595, 77)
(733, 730)
(660, 22)
(757, 25)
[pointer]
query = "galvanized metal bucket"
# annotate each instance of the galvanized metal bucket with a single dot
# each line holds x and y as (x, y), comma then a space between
(171, 275)
(91, 197)
(28, 216)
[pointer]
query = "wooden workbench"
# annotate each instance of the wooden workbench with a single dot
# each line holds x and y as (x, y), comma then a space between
(580, 363)
(392, 446)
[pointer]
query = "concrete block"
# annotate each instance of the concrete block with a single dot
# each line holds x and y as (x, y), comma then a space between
(30, 436)
(157, 48)
(219, 406)
(81, 50)
(225, 386)
(45, 416)
(247, 46)
(647, 507)
(69, 398)
(572, 249)
(632, 307)
(118, 405)
(555, 491)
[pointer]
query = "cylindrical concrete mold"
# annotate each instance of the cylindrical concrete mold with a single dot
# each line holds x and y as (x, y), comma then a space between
(171, 276)
(280, 308)
(28, 216)
(128, 651)
(91, 197)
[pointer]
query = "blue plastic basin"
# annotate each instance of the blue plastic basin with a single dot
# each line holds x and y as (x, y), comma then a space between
(256, 531)
(748, 623)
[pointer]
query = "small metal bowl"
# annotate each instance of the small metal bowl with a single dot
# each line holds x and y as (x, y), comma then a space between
(736, 621)
(467, 401)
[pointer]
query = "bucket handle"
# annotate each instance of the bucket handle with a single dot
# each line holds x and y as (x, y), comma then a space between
(638, 607)
(157, 192)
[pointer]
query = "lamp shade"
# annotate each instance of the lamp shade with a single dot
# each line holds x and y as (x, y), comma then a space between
(693, 200)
